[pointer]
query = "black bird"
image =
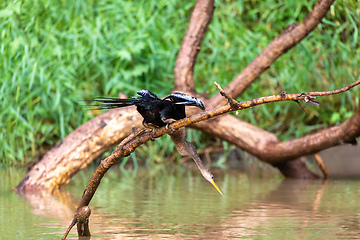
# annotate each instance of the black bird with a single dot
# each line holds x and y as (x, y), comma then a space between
(159, 112)
(156, 112)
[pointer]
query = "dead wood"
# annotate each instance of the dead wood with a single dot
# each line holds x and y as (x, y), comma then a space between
(190, 47)
(135, 139)
(90, 140)
(79, 148)
(292, 35)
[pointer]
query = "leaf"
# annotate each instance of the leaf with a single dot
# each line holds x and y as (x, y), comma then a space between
(10, 9)
(124, 55)
(138, 70)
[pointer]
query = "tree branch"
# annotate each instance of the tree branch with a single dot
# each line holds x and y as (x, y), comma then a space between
(138, 138)
(190, 47)
(79, 148)
(100, 134)
(265, 145)
(280, 45)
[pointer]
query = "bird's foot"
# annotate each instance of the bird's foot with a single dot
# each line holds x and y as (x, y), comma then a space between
(172, 130)
(168, 122)
(152, 138)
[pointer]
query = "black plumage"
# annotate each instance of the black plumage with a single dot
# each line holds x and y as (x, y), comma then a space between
(159, 112)
(156, 112)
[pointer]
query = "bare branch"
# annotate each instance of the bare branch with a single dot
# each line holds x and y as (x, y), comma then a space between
(280, 45)
(306, 97)
(136, 139)
(190, 47)
(90, 140)
(321, 165)
(79, 148)
(266, 146)
(233, 103)
(283, 94)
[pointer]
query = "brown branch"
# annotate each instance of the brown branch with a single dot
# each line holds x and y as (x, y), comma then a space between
(283, 94)
(254, 102)
(280, 45)
(337, 91)
(81, 218)
(100, 134)
(313, 143)
(233, 103)
(127, 146)
(138, 138)
(266, 146)
(190, 47)
(83, 212)
(321, 165)
(79, 148)
(301, 106)
(306, 97)
(90, 140)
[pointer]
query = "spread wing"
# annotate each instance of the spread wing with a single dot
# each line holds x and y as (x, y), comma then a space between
(183, 99)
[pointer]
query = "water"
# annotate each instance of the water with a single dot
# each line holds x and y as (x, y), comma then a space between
(177, 204)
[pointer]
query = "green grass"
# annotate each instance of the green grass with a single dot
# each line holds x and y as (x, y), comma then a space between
(53, 54)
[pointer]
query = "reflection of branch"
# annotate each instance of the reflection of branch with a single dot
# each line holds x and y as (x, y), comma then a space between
(319, 195)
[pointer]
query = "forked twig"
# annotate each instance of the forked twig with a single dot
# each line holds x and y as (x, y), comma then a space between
(233, 103)
(283, 94)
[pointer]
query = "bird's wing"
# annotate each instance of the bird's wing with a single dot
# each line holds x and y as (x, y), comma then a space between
(147, 94)
(183, 99)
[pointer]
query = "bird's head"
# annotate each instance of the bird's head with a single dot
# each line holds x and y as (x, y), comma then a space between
(210, 178)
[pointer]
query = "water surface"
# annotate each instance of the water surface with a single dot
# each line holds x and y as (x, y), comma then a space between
(177, 204)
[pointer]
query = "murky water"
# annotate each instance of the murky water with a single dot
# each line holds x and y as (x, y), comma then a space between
(177, 204)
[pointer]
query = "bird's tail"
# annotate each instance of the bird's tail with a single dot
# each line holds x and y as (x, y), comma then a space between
(109, 103)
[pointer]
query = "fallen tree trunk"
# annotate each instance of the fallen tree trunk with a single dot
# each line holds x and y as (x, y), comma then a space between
(80, 148)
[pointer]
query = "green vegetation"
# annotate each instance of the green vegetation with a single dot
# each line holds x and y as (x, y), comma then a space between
(54, 53)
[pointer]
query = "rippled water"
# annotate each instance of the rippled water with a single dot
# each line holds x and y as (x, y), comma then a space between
(177, 204)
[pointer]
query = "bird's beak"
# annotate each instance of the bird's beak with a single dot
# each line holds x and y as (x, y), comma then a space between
(215, 186)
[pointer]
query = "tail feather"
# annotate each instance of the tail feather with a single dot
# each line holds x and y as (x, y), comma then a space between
(109, 103)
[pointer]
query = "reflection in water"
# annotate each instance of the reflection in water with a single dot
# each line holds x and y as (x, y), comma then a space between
(175, 204)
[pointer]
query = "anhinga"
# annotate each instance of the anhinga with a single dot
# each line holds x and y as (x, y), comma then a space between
(159, 112)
